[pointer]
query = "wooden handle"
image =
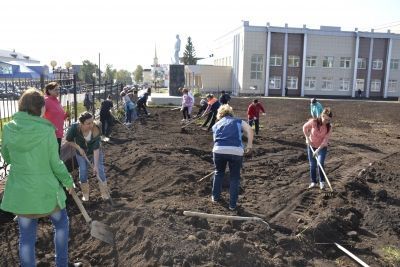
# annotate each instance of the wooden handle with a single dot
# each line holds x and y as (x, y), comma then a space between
(219, 216)
(81, 207)
(187, 124)
(208, 175)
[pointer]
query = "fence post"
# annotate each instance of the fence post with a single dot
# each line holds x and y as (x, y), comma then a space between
(42, 81)
(93, 98)
(75, 100)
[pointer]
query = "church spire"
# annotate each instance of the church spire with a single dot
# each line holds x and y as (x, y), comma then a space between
(155, 60)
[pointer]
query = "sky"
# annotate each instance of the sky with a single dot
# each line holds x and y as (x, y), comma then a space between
(126, 33)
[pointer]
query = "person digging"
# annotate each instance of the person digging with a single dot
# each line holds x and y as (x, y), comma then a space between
(84, 136)
(317, 133)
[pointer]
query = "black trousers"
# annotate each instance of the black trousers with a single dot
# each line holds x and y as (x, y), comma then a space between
(211, 116)
(185, 113)
(106, 123)
(257, 124)
(59, 145)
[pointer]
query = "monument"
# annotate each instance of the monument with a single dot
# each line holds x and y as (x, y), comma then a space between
(176, 71)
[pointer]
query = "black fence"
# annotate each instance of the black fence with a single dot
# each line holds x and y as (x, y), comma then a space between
(72, 92)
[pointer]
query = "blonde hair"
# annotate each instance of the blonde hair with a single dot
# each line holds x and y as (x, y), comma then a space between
(224, 110)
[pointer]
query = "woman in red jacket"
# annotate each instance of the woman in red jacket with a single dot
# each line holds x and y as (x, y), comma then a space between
(253, 114)
(54, 111)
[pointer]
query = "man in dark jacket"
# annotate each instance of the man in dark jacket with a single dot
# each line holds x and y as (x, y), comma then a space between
(224, 98)
(105, 116)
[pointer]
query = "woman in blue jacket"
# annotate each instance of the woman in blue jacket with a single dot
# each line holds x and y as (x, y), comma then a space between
(228, 149)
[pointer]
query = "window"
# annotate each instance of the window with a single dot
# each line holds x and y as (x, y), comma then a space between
(344, 84)
(293, 61)
(310, 83)
(392, 86)
(345, 62)
(377, 64)
(361, 63)
(256, 67)
(375, 85)
(291, 82)
(327, 83)
(394, 64)
(311, 61)
(360, 84)
(275, 82)
(275, 60)
(327, 62)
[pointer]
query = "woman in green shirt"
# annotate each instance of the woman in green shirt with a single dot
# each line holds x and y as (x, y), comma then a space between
(34, 187)
(84, 136)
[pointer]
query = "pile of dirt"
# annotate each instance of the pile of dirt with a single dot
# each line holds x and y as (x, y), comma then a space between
(154, 171)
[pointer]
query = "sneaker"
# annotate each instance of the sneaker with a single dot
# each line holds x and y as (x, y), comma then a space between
(312, 185)
(183, 120)
(321, 185)
(214, 200)
(232, 209)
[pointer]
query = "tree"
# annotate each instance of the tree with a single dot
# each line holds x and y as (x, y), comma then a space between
(87, 70)
(110, 74)
(138, 74)
(124, 76)
(189, 56)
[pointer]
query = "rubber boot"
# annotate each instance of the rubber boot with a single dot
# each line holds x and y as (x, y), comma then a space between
(85, 191)
(104, 190)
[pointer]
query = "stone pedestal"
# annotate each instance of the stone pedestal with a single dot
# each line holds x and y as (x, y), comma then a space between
(176, 79)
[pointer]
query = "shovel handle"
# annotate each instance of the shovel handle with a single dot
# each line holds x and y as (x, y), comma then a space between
(81, 207)
(187, 124)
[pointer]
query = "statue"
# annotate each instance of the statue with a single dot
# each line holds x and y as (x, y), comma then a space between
(177, 49)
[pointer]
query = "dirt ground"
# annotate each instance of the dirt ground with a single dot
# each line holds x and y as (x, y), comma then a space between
(154, 171)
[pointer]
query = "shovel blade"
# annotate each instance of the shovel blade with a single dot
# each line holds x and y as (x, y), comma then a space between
(102, 232)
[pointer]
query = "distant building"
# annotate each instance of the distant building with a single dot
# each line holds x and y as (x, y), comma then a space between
(309, 62)
(17, 65)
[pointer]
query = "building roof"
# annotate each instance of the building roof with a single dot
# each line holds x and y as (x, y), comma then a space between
(12, 55)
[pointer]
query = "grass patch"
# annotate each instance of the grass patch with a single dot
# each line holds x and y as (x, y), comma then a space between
(391, 255)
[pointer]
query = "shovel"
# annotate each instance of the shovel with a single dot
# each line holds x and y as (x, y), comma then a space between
(97, 229)
(322, 169)
(187, 124)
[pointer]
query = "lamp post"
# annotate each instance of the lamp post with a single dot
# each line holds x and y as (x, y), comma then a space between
(68, 65)
(94, 84)
(53, 64)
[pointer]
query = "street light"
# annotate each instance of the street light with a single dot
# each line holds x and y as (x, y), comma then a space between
(94, 84)
(68, 65)
(53, 64)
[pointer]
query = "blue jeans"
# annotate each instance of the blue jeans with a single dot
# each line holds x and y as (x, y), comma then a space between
(84, 166)
(314, 164)
(128, 114)
(27, 239)
(235, 164)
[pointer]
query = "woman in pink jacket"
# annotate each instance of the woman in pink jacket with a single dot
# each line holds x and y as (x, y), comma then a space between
(54, 111)
(187, 104)
(317, 132)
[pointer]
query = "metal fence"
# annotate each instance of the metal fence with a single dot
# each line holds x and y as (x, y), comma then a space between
(71, 93)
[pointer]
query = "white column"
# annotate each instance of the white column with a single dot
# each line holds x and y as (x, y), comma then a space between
(303, 69)
(284, 64)
(268, 56)
(353, 93)
(387, 71)
(371, 48)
